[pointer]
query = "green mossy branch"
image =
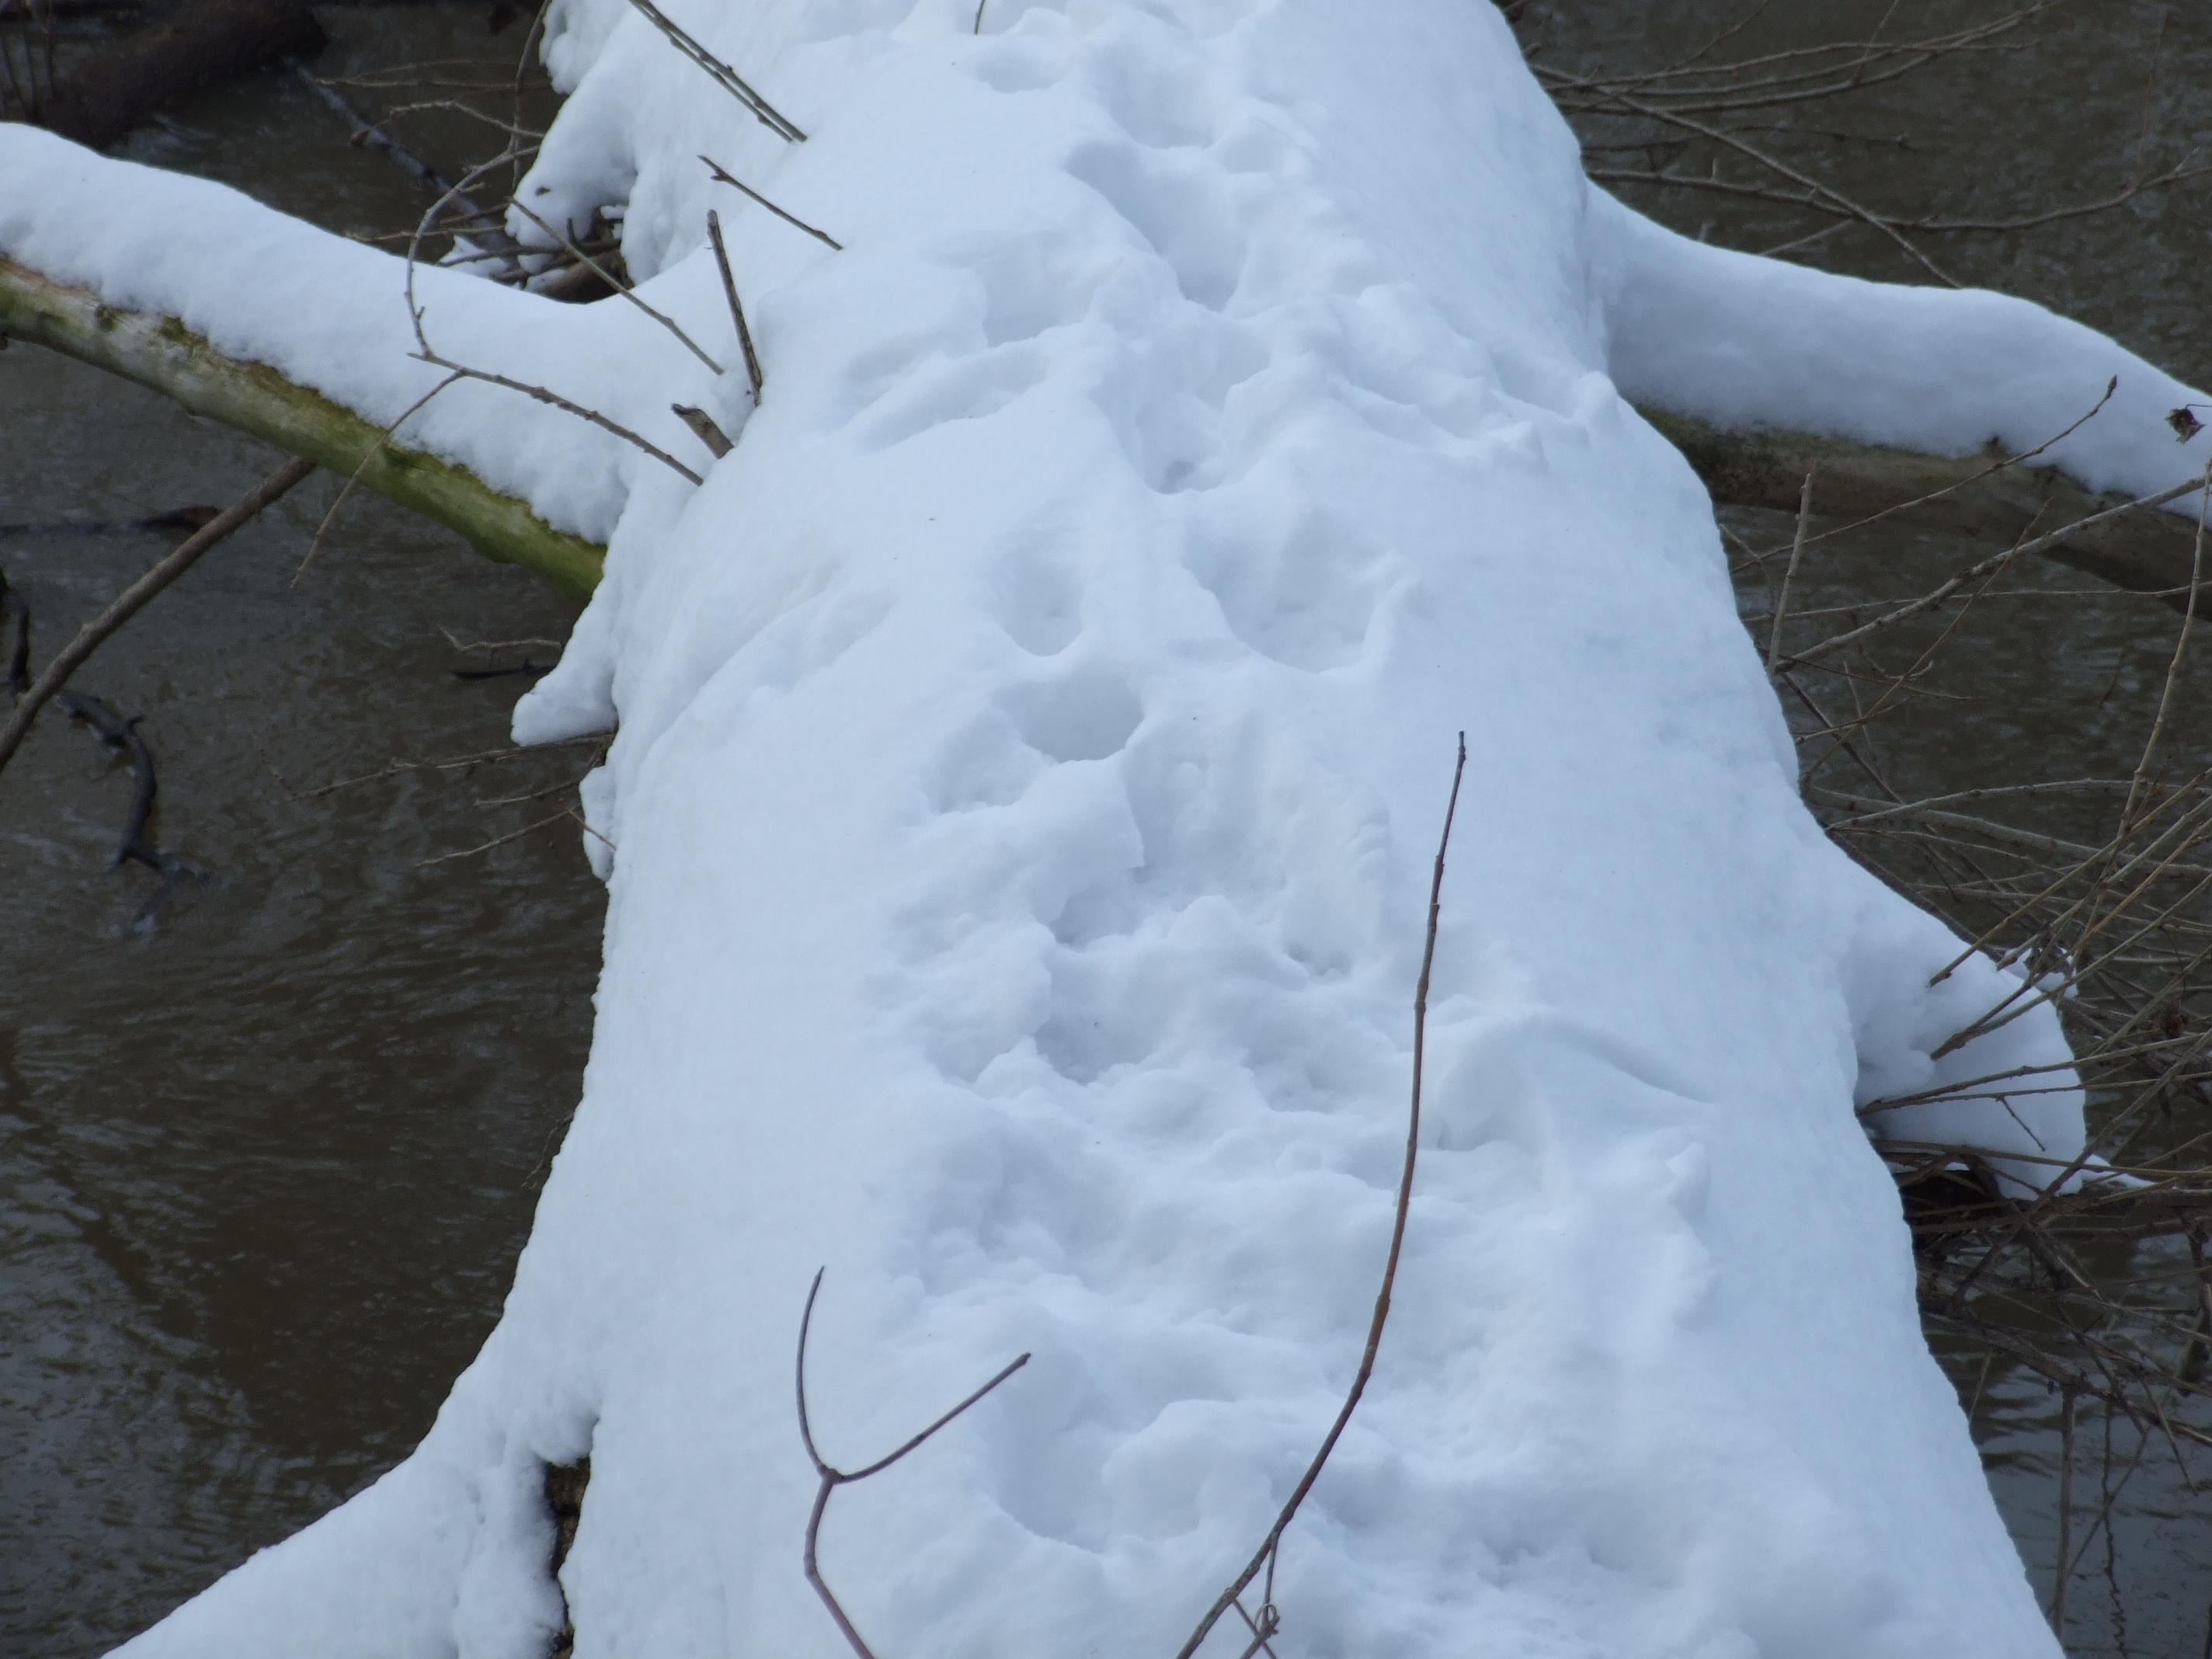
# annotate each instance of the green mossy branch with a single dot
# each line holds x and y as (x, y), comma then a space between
(161, 353)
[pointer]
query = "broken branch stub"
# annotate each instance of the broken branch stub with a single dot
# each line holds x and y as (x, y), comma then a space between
(161, 353)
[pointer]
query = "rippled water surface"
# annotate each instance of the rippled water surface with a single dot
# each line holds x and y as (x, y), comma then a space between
(264, 1168)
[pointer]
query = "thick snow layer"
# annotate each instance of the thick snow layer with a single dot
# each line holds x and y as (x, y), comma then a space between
(1033, 738)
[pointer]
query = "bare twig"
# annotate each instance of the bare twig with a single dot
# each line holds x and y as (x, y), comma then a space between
(544, 395)
(620, 286)
(722, 175)
(1790, 575)
(497, 840)
(315, 542)
(1986, 567)
(729, 79)
(451, 764)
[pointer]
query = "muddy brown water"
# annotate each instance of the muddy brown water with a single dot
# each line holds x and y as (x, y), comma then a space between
(265, 1167)
(265, 1170)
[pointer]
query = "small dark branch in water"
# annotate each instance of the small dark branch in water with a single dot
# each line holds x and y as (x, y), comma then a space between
(525, 666)
(369, 135)
(141, 593)
(177, 517)
(833, 1478)
(115, 733)
(17, 610)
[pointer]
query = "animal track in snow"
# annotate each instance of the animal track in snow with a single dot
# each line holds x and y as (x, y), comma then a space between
(987, 765)
(1087, 715)
(1162, 104)
(1039, 604)
(961, 389)
(1031, 284)
(1301, 587)
(1181, 205)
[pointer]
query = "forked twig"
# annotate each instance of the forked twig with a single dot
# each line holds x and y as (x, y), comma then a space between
(833, 1478)
(1264, 1557)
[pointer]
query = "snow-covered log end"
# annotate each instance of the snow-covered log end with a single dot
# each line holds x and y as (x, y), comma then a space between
(1034, 738)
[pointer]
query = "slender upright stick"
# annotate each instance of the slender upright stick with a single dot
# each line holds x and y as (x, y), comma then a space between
(737, 311)
(2065, 1514)
(1790, 575)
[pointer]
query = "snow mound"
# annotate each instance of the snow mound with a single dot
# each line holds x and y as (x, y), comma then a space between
(1034, 736)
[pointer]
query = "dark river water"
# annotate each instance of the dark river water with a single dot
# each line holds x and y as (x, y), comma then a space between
(264, 1168)
(265, 1165)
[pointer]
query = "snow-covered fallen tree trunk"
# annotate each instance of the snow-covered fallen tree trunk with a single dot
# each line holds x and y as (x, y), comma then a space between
(1032, 739)
(1755, 466)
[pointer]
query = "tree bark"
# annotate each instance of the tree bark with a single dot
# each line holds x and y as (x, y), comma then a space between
(201, 43)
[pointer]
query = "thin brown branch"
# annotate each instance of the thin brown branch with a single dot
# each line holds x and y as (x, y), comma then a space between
(722, 175)
(730, 81)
